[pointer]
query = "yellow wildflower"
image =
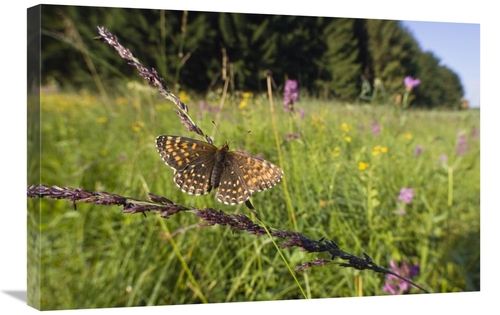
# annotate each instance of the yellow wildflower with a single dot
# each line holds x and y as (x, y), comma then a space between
(407, 136)
(378, 149)
(137, 126)
(102, 120)
(243, 103)
(345, 127)
(347, 139)
(318, 122)
(363, 166)
(247, 95)
(122, 101)
(184, 97)
(336, 152)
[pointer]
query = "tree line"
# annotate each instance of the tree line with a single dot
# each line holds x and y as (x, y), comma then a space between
(343, 58)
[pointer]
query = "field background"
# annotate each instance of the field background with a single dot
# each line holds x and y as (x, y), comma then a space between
(344, 163)
(342, 184)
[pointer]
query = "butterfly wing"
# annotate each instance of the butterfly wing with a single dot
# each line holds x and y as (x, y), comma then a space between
(244, 174)
(192, 161)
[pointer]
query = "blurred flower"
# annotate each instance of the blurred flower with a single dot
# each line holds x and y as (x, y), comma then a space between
(443, 158)
(243, 104)
(184, 97)
(136, 126)
(122, 157)
(400, 212)
(244, 99)
(102, 120)
(290, 136)
(361, 127)
(247, 95)
(290, 94)
(406, 195)
(302, 113)
(411, 83)
(323, 203)
(204, 106)
(207, 108)
(375, 128)
(393, 284)
(336, 151)
(418, 150)
(347, 139)
(363, 166)
(399, 98)
(318, 122)
(345, 127)
(462, 146)
(379, 149)
(474, 132)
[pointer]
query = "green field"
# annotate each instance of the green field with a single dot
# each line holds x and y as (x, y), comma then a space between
(342, 181)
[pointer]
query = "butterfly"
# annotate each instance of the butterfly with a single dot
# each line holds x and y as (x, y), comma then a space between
(200, 167)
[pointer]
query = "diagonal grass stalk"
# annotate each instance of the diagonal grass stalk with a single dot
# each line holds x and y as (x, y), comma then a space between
(285, 261)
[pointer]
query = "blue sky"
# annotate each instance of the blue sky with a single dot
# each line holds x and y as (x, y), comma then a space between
(456, 45)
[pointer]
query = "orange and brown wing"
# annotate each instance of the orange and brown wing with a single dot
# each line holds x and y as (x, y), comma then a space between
(192, 161)
(245, 174)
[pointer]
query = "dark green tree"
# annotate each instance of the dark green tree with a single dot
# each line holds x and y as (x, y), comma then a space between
(394, 54)
(427, 94)
(341, 66)
(451, 89)
(328, 56)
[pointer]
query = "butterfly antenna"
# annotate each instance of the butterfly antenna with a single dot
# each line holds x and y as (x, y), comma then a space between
(218, 132)
(248, 131)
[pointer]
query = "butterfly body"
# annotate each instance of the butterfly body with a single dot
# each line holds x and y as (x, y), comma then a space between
(199, 167)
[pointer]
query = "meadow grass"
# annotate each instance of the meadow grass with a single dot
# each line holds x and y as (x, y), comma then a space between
(344, 169)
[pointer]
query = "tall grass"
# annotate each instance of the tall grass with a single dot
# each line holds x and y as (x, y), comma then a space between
(343, 181)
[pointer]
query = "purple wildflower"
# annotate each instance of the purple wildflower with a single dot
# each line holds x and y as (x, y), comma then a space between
(204, 107)
(375, 128)
(302, 113)
(406, 195)
(290, 136)
(443, 158)
(400, 212)
(393, 284)
(411, 83)
(462, 146)
(290, 94)
(475, 132)
(418, 150)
